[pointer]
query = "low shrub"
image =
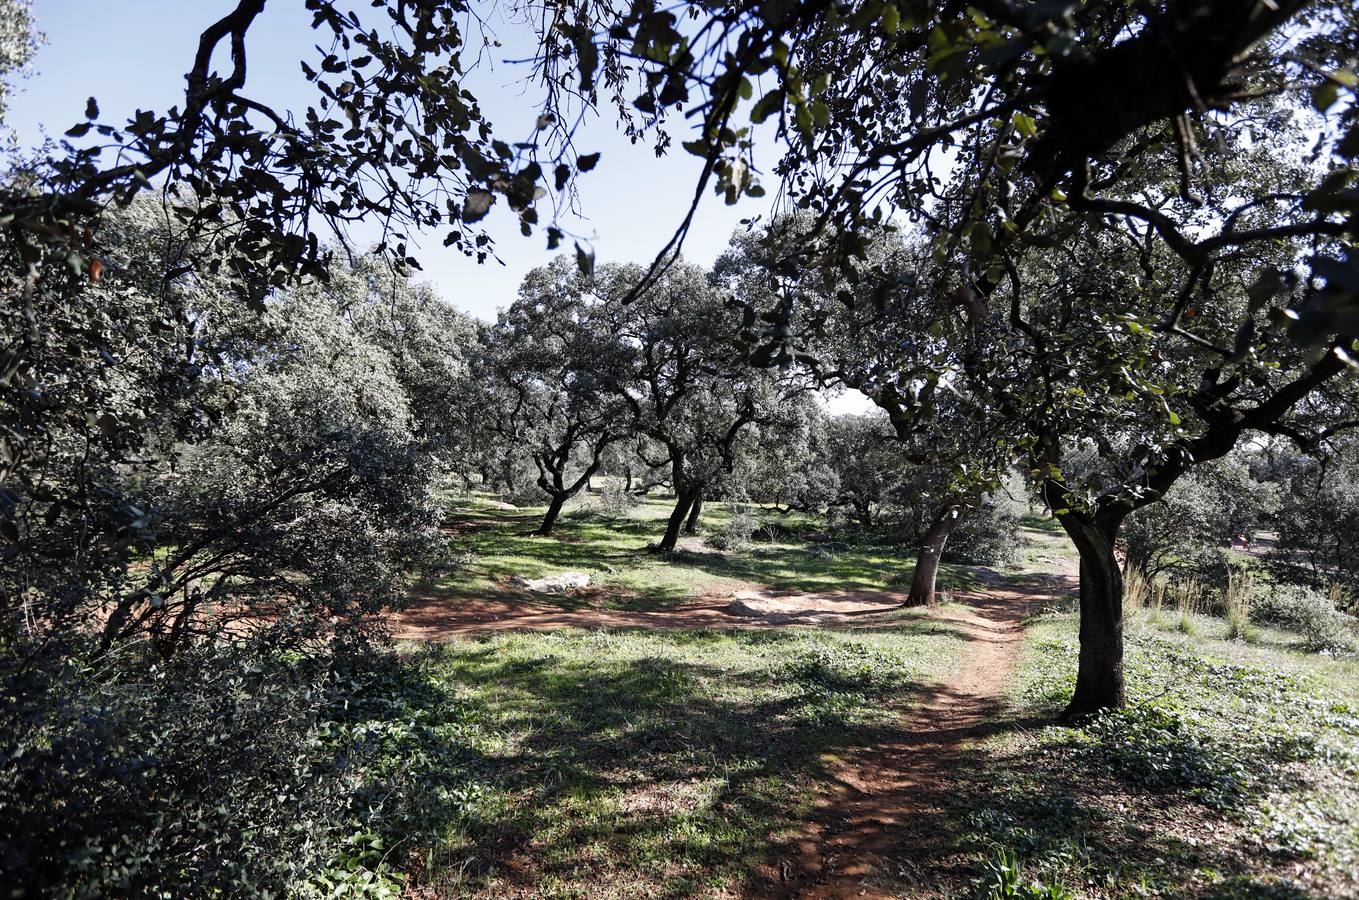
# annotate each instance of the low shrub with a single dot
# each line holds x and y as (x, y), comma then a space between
(615, 503)
(1307, 611)
(213, 774)
(736, 533)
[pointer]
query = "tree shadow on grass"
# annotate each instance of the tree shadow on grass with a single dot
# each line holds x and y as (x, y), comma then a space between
(671, 772)
(1102, 809)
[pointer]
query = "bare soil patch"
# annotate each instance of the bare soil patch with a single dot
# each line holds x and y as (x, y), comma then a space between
(433, 616)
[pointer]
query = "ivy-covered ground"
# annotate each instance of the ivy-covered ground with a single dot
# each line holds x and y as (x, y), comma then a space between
(1234, 772)
(620, 764)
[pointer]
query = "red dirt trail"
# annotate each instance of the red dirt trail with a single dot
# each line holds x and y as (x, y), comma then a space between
(436, 617)
(874, 832)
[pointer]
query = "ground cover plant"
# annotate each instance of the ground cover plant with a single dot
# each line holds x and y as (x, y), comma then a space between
(1230, 774)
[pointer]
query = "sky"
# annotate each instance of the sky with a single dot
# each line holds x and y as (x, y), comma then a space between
(132, 54)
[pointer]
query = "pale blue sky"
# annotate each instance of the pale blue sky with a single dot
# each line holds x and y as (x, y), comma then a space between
(133, 53)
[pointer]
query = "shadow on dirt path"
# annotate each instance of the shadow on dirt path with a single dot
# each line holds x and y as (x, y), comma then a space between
(432, 617)
(882, 829)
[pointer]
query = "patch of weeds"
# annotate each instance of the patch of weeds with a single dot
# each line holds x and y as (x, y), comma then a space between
(1006, 878)
(1221, 778)
(1157, 749)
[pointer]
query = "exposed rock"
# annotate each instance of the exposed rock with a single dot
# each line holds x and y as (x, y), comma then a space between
(799, 608)
(552, 584)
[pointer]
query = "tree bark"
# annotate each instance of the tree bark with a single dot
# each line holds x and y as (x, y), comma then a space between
(696, 510)
(554, 509)
(1099, 674)
(684, 501)
(627, 475)
(931, 551)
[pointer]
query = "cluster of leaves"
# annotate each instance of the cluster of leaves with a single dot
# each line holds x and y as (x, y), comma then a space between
(212, 772)
(204, 506)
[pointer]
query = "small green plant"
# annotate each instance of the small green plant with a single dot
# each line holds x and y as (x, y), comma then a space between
(1237, 601)
(1005, 879)
(737, 532)
(1188, 603)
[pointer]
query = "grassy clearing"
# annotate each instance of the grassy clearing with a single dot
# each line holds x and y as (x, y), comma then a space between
(625, 764)
(1233, 773)
(789, 552)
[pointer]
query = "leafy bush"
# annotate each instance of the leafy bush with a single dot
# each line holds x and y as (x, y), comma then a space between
(214, 773)
(736, 533)
(1308, 612)
(1318, 523)
(988, 534)
(1185, 533)
(614, 502)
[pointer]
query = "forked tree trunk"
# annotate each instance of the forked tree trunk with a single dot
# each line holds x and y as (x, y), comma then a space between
(684, 501)
(696, 510)
(931, 551)
(1099, 673)
(554, 509)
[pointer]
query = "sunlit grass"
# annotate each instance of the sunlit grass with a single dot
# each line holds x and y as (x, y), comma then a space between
(622, 764)
(791, 552)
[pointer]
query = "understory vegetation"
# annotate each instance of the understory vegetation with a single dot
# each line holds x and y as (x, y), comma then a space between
(1231, 773)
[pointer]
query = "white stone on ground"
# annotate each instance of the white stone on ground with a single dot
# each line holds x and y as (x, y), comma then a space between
(552, 584)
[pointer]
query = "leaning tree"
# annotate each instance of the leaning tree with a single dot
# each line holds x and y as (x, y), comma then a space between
(558, 375)
(689, 391)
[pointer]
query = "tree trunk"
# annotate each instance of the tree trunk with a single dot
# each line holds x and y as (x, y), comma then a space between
(1099, 673)
(627, 475)
(931, 551)
(554, 509)
(684, 500)
(691, 524)
(865, 510)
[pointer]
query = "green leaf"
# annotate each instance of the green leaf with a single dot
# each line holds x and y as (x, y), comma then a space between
(891, 18)
(1324, 95)
(477, 204)
(766, 106)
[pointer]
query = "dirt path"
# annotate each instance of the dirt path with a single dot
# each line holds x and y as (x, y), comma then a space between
(437, 617)
(877, 830)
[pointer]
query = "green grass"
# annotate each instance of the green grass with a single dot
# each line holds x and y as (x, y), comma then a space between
(790, 552)
(623, 764)
(1234, 772)
(629, 763)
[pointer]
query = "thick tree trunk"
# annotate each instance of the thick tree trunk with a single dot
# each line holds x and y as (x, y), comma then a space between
(931, 551)
(866, 515)
(554, 509)
(1099, 674)
(684, 501)
(696, 510)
